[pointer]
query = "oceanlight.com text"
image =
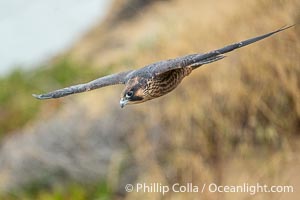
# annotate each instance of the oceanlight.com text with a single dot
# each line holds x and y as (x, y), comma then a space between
(251, 189)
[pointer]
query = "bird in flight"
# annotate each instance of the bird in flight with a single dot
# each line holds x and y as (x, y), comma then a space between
(156, 79)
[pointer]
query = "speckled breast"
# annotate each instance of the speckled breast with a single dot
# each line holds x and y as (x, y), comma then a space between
(166, 82)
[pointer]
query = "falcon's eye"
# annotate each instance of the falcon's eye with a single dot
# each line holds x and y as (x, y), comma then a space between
(129, 94)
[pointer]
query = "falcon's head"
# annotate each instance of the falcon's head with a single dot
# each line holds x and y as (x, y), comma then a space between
(134, 92)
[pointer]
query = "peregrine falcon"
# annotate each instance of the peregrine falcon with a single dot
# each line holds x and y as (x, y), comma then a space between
(156, 79)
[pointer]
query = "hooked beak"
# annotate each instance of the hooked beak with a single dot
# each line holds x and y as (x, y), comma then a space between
(123, 102)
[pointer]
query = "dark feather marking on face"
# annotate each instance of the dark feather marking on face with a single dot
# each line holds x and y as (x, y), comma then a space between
(136, 98)
(136, 86)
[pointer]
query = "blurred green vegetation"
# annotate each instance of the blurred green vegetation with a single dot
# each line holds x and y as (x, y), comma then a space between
(17, 106)
(73, 191)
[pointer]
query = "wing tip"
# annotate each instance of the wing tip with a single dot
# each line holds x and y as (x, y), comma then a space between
(286, 27)
(40, 96)
(37, 96)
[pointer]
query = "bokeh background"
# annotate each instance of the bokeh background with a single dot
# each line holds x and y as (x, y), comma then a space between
(231, 122)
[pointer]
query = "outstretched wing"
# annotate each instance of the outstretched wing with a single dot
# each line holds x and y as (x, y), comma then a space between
(113, 79)
(196, 60)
